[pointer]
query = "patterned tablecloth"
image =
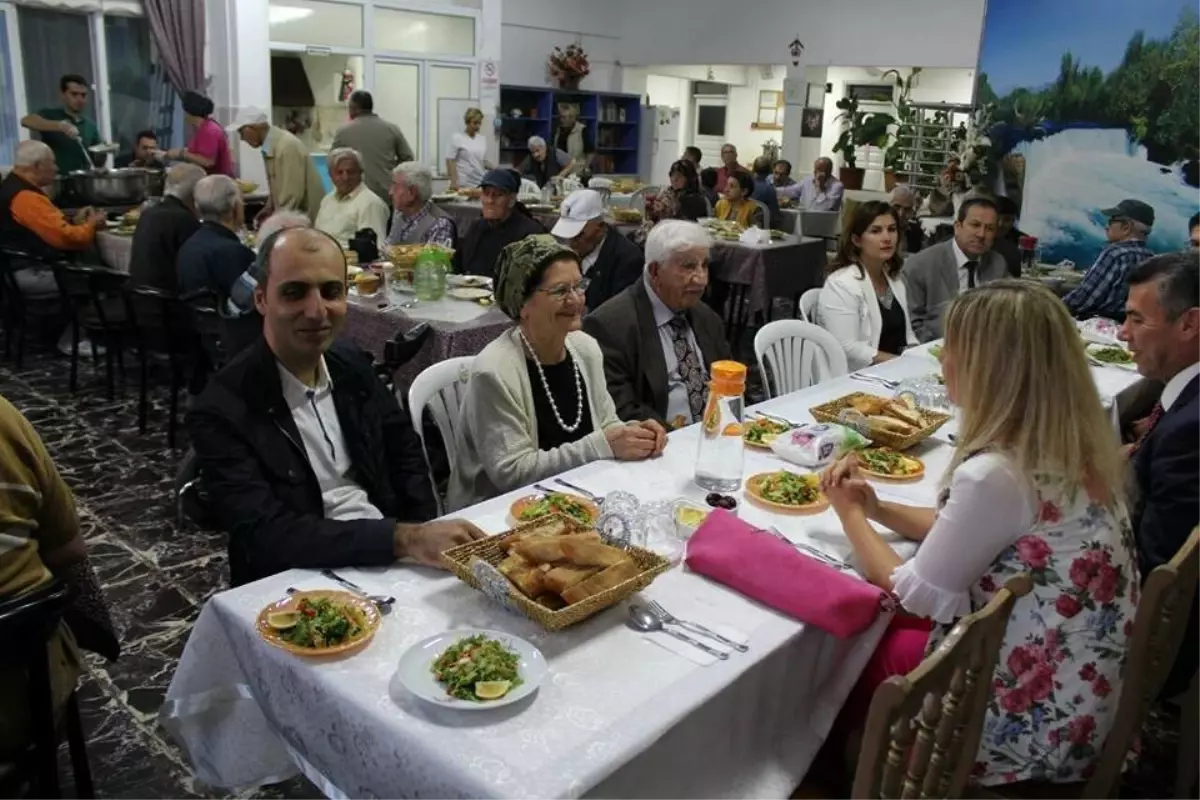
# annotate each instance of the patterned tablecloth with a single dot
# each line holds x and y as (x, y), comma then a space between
(115, 249)
(466, 212)
(780, 269)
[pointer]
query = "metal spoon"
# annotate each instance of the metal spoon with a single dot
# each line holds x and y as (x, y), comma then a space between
(641, 619)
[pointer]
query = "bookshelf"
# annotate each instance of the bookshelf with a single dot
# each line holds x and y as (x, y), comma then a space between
(613, 121)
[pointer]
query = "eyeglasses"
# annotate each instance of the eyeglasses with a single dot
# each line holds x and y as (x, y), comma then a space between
(562, 291)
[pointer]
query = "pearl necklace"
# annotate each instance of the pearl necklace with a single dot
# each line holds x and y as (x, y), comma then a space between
(546, 385)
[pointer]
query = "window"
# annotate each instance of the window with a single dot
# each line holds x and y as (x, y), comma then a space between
(138, 98)
(10, 127)
(53, 44)
(416, 32)
(710, 120)
(770, 111)
(315, 22)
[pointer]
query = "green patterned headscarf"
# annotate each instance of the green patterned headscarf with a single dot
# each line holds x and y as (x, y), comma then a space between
(518, 262)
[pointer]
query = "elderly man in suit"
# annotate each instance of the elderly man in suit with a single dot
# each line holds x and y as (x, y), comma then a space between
(937, 274)
(658, 338)
(609, 261)
(1162, 328)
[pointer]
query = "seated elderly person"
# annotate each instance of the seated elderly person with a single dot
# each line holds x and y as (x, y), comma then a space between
(313, 461)
(781, 174)
(608, 260)
(504, 221)
(162, 230)
(1105, 285)
(819, 191)
(418, 220)
(543, 165)
(764, 192)
(905, 202)
(536, 404)
(657, 337)
(351, 206)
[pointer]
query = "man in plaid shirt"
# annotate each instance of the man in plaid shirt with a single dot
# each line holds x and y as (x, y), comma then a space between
(1105, 286)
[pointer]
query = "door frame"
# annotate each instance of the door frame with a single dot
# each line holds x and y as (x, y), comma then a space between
(707, 143)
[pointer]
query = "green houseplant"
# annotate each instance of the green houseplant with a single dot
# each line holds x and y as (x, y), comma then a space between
(894, 162)
(861, 129)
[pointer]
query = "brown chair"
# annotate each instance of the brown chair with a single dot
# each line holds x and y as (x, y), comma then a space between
(923, 729)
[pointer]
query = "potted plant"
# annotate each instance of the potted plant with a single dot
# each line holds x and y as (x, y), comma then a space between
(861, 129)
(568, 66)
(894, 162)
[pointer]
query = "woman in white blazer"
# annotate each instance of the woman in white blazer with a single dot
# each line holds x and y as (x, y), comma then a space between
(863, 302)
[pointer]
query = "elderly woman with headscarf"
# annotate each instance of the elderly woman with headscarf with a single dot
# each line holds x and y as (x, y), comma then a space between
(209, 147)
(542, 164)
(537, 403)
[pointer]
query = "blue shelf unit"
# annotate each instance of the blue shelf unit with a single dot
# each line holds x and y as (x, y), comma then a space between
(613, 120)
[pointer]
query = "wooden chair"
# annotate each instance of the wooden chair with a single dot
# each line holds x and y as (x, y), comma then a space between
(923, 729)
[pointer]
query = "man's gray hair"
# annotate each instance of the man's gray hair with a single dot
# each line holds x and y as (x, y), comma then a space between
(536, 141)
(32, 152)
(672, 235)
(1140, 229)
(340, 153)
(903, 192)
(182, 180)
(280, 220)
(418, 176)
(216, 196)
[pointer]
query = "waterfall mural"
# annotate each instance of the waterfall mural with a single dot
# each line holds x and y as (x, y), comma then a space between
(1089, 102)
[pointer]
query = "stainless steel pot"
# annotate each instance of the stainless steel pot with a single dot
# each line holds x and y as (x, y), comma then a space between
(113, 187)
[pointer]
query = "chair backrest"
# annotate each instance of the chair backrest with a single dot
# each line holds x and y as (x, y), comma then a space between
(157, 317)
(923, 729)
(205, 317)
(82, 285)
(766, 213)
(808, 305)
(1158, 629)
(440, 387)
(798, 354)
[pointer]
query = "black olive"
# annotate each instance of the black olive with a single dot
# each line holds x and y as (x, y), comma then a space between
(713, 499)
(728, 503)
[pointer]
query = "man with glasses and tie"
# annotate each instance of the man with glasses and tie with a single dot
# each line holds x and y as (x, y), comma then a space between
(937, 274)
(658, 338)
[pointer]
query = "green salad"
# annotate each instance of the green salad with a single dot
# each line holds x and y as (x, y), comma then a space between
(1112, 355)
(323, 623)
(478, 669)
(764, 431)
(557, 503)
(935, 351)
(790, 489)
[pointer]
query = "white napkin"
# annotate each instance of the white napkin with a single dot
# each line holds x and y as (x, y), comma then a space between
(693, 653)
(755, 235)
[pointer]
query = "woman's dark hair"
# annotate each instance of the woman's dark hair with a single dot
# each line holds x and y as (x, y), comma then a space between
(688, 170)
(196, 104)
(745, 180)
(539, 272)
(848, 253)
(708, 178)
(692, 150)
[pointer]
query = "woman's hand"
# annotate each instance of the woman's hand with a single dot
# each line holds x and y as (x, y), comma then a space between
(843, 484)
(660, 435)
(631, 441)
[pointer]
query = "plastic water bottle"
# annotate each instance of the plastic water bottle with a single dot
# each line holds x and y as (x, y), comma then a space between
(429, 273)
(719, 455)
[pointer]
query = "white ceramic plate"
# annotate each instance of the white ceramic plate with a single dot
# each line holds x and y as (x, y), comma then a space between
(467, 293)
(1093, 348)
(416, 676)
(470, 281)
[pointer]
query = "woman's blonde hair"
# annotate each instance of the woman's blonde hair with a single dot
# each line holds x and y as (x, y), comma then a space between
(472, 113)
(1023, 387)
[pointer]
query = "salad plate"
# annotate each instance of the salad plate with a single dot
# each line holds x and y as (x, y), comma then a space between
(448, 668)
(787, 491)
(319, 622)
(535, 506)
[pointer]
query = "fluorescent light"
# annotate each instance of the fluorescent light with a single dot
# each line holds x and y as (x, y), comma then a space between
(281, 15)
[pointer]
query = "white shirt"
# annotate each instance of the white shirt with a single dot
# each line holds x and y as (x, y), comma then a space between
(342, 217)
(316, 417)
(961, 259)
(588, 261)
(677, 393)
(1176, 385)
(468, 154)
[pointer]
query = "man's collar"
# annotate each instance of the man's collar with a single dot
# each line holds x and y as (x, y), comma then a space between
(1176, 385)
(662, 314)
(296, 391)
(353, 193)
(960, 258)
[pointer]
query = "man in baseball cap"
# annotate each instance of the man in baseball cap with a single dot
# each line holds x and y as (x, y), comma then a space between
(292, 177)
(504, 221)
(610, 261)
(1105, 286)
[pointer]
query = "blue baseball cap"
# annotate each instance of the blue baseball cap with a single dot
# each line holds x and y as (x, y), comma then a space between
(505, 179)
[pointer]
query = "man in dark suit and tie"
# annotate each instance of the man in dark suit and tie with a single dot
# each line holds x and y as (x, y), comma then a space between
(657, 337)
(937, 274)
(1162, 328)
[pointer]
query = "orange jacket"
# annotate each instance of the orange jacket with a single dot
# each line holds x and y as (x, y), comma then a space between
(34, 210)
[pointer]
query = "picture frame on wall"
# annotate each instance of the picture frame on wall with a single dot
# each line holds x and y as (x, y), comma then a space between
(815, 95)
(812, 122)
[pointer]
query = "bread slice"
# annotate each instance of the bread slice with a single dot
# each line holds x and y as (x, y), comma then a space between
(547, 527)
(906, 414)
(585, 553)
(890, 424)
(868, 404)
(551, 549)
(561, 578)
(605, 579)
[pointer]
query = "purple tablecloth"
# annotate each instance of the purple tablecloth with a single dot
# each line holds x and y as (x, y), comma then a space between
(780, 269)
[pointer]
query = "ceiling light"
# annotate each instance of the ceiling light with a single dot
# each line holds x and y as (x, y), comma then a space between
(281, 15)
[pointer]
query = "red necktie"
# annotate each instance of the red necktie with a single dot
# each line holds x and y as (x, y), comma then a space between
(1152, 420)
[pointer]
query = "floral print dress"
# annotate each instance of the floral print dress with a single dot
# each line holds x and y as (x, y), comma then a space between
(1058, 678)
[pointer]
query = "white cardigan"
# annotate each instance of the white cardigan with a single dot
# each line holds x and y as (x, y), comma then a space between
(496, 441)
(849, 309)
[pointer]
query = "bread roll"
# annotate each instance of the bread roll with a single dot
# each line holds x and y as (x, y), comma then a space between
(890, 424)
(551, 549)
(606, 579)
(561, 578)
(591, 553)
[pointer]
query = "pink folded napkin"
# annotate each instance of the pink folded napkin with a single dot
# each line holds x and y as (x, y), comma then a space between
(773, 572)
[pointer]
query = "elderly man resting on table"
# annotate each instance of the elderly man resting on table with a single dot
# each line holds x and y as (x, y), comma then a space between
(312, 460)
(351, 206)
(417, 220)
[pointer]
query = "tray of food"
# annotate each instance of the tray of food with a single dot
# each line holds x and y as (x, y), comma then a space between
(884, 463)
(629, 216)
(556, 570)
(787, 491)
(321, 622)
(723, 229)
(897, 423)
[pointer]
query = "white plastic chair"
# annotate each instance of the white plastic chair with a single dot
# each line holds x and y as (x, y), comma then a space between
(440, 387)
(808, 305)
(799, 355)
(766, 213)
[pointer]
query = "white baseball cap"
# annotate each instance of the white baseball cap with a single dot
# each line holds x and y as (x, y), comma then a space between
(578, 209)
(248, 116)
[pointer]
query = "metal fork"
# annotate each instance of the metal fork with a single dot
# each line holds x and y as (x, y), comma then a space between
(774, 418)
(884, 382)
(598, 500)
(694, 627)
(819, 555)
(384, 604)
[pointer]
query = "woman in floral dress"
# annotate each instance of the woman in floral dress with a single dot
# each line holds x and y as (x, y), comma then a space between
(1036, 485)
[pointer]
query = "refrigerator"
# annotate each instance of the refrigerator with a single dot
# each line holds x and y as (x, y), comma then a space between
(659, 144)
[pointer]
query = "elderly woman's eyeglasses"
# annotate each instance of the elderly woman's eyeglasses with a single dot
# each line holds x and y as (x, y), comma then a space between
(561, 291)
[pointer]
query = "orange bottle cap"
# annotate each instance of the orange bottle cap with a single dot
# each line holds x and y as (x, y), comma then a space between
(728, 377)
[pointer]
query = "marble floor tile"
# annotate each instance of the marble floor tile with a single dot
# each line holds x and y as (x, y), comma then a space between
(149, 606)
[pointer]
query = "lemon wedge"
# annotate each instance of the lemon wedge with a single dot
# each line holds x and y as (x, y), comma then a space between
(689, 516)
(492, 690)
(282, 620)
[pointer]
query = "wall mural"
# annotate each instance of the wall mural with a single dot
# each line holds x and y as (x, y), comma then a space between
(1088, 102)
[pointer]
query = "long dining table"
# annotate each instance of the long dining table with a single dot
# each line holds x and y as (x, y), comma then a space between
(617, 716)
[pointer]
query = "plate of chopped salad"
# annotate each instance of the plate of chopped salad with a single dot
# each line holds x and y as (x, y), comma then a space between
(536, 506)
(761, 431)
(320, 622)
(472, 669)
(887, 464)
(787, 491)
(1111, 355)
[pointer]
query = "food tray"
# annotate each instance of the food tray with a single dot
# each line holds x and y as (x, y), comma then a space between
(461, 559)
(831, 412)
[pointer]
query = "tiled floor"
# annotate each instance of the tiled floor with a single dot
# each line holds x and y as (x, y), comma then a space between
(156, 577)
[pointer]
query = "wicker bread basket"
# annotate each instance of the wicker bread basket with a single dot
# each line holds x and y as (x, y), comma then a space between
(832, 412)
(461, 561)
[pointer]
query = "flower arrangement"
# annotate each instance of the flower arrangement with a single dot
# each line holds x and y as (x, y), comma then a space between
(975, 146)
(568, 65)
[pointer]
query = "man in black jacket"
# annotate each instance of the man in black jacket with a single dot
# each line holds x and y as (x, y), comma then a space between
(610, 262)
(162, 230)
(309, 459)
(504, 221)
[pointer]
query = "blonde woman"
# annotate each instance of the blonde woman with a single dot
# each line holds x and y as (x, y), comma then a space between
(468, 152)
(1035, 486)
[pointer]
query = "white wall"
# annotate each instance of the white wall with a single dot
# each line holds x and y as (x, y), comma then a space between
(533, 28)
(932, 33)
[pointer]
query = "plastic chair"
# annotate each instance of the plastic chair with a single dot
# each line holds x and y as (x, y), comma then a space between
(807, 307)
(799, 354)
(440, 388)
(766, 213)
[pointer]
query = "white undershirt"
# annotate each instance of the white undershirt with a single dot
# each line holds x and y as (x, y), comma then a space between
(588, 261)
(316, 417)
(1176, 385)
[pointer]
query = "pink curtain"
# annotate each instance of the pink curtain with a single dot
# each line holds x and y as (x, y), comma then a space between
(178, 30)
